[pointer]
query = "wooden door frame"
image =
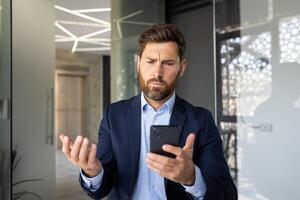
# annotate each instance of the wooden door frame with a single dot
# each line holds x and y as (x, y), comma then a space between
(70, 72)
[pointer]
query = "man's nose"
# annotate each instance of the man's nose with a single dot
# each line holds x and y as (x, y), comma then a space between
(157, 71)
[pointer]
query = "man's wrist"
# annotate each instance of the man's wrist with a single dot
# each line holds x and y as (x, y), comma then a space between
(92, 183)
(192, 178)
(90, 174)
(198, 190)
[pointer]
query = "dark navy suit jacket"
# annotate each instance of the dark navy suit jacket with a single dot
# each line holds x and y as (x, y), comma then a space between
(119, 149)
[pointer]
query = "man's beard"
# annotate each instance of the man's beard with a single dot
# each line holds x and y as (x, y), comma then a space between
(157, 93)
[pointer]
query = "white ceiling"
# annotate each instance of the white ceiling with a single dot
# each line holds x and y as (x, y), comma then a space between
(83, 25)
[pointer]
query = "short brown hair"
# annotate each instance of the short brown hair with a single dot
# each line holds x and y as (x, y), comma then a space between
(162, 33)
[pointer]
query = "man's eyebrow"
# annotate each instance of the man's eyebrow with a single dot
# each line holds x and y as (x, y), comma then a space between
(166, 60)
(151, 58)
(169, 60)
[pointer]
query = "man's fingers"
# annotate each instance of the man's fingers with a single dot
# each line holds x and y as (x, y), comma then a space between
(61, 137)
(163, 171)
(92, 155)
(76, 148)
(83, 153)
(159, 166)
(179, 151)
(172, 149)
(65, 146)
(189, 144)
(161, 159)
(71, 144)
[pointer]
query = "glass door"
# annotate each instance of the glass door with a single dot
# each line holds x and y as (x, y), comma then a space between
(33, 61)
(258, 90)
(5, 98)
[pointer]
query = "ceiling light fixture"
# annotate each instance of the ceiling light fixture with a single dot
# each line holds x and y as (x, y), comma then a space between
(93, 10)
(75, 45)
(69, 39)
(104, 42)
(94, 49)
(94, 33)
(82, 15)
(65, 30)
(118, 21)
(124, 21)
(137, 23)
(97, 39)
(96, 42)
(75, 23)
(60, 38)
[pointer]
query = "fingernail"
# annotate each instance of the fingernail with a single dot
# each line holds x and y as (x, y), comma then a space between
(79, 138)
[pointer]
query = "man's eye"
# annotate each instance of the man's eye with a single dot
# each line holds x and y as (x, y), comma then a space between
(150, 61)
(169, 63)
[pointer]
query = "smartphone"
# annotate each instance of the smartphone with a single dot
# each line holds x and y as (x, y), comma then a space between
(163, 134)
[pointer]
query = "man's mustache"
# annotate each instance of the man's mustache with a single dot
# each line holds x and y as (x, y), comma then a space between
(159, 80)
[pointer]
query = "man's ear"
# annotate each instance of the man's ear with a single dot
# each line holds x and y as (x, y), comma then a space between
(183, 66)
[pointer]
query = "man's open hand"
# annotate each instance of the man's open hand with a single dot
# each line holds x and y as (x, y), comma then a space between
(180, 169)
(81, 154)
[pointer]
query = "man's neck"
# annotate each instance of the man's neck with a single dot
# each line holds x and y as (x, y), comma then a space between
(157, 104)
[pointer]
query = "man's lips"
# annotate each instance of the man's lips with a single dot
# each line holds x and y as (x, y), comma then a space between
(156, 84)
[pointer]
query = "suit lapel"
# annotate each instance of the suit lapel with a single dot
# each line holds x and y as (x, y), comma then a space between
(177, 119)
(133, 118)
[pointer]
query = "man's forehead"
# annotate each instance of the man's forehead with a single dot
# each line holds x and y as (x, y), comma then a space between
(162, 58)
(166, 50)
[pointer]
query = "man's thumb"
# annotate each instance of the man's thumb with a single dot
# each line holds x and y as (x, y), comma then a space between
(189, 142)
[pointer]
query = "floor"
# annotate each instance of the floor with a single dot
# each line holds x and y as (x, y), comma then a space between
(67, 184)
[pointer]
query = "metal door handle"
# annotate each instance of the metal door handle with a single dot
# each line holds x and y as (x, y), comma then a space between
(50, 116)
(5, 109)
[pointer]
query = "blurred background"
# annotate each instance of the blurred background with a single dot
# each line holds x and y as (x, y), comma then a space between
(62, 62)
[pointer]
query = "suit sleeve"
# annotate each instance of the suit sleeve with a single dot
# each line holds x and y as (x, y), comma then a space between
(214, 168)
(106, 156)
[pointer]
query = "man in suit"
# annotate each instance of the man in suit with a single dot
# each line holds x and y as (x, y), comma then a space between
(122, 166)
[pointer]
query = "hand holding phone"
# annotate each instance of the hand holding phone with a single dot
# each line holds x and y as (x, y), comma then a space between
(163, 134)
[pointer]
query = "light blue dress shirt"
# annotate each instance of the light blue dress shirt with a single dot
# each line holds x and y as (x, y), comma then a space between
(150, 186)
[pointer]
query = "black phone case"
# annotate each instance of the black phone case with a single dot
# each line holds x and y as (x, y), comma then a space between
(160, 135)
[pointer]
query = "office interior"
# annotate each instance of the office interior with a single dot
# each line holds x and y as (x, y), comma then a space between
(62, 62)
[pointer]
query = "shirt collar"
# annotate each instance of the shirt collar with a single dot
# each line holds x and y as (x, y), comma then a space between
(169, 104)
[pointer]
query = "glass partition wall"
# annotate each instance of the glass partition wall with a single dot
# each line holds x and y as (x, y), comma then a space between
(5, 99)
(129, 19)
(258, 94)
